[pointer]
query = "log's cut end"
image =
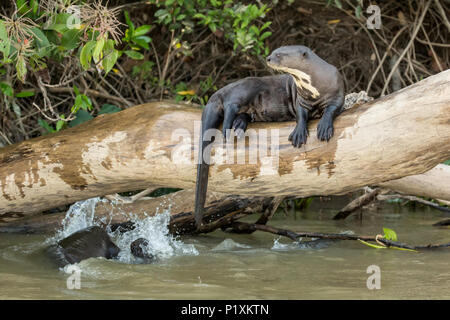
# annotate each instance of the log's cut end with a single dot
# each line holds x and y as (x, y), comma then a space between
(402, 134)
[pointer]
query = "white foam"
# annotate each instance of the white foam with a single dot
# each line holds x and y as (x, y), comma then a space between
(153, 228)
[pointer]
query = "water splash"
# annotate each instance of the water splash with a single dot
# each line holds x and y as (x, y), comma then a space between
(79, 216)
(153, 228)
(229, 244)
(310, 244)
(277, 245)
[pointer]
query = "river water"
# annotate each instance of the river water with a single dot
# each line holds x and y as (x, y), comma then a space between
(220, 265)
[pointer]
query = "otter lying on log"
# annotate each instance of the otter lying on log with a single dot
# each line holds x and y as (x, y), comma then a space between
(312, 88)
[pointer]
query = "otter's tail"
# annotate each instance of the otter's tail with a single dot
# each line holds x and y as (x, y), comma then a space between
(211, 119)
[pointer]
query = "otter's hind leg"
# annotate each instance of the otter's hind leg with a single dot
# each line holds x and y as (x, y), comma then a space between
(325, 129)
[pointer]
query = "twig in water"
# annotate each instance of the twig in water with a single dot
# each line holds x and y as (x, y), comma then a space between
(333, 236)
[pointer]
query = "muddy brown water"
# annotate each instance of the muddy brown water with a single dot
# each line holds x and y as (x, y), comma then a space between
(258, 266)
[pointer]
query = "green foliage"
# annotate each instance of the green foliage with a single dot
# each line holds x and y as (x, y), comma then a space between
(6, 89)
(237, 22)
(81, 101)
(143, 71)
(358, 5)
(447, 162)
(389, 234)
(41, 32)
(136, 38)
(81, 117)
(303, 203)
(109, 108)
(33, 35)
(24, 94)
(60, 124)
(183, 93)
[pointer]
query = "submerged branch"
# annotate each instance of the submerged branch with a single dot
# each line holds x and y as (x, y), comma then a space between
(293, 235)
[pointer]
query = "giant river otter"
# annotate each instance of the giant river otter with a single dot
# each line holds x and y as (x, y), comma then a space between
(311, 88)
(87, 243)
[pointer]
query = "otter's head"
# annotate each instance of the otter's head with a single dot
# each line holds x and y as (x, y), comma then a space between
(294, 60)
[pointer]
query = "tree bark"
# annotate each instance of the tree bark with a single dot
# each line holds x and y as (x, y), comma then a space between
(434, 183)
(402, 134)
(220, 210)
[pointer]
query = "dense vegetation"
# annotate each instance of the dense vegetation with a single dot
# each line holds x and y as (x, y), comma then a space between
(63, 62)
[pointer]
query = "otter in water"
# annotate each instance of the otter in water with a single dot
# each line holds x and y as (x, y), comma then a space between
(312, 88)
(140, 249)
(87, 243)
(94, 242)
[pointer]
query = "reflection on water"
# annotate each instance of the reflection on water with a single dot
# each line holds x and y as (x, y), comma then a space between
(258, 266)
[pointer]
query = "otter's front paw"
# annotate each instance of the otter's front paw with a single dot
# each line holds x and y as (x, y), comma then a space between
(298, 136)
(325, 129)
(239, 126)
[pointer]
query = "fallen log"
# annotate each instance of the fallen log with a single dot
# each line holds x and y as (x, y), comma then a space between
(434, 183)
(398, 135)
(220, 210)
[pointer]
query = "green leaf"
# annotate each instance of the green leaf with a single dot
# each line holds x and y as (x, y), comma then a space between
(97, 53)
(110, 56)
(60, 124)
(6, 89)
(109, 108)
(265, 35)
(447, 162)
(3, 34)
(59, 22)
(21, 68)
(81, 117)
(86, 102)
(39, 36)
(70, 39)
(161, 12)
(372, 245)
(338, 4)
(86, 55)
(134, 55)
(16, 109)
(142, 30)
(76, 90)
(25, 94)
(34, 6)
(128, 21)
(144, 38)
(110, 59)
(5, 48)
(358, 11)
(390, 234)
(141, 42)
(46, 126)
(265, 25)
